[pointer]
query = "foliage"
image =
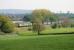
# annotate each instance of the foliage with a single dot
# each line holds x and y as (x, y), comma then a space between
(41, 14)
(27, 17)
(72, 24)
(38, 27)
(51, 18)
(54, 25)
(66, 22)
(38, 17)
(4, 19)
(7, 27)
(6, 24)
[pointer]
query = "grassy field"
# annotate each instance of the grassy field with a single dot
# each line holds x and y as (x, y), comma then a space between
(58, 31)
(28, 40)
(24, 31)
(43, 42)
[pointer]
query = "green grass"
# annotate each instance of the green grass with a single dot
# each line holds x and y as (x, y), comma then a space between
(48, 30)
(44, 42)
(58, 30)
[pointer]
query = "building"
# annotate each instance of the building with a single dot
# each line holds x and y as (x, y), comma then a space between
(22, 23)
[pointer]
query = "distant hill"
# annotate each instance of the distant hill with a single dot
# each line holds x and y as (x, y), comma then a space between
(15, 14)
(14, 11)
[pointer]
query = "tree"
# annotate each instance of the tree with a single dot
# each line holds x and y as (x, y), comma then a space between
(38, 17)
(27, 17)
(6, 24)
(51, 18)
(38, 26)
(7, 27)
(66, 22)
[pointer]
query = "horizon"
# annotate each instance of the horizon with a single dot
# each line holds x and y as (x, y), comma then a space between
(56, 6)
(23, 10)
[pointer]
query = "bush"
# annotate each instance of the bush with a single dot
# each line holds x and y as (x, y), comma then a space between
(7, 27)
(72, 25)
(6, 24)
(29, 29)
(54, 26)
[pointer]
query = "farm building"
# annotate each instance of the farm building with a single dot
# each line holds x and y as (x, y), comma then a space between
(22, 23)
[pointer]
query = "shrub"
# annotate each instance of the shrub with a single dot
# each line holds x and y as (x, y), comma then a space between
(6, 24)
(54, 26)
(7, 27)
(72, 25)
(29, 29)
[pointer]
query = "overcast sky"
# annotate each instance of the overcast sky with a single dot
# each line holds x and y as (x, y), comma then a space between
(53, 5)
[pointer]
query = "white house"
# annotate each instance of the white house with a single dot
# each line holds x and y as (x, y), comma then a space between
(22, 23)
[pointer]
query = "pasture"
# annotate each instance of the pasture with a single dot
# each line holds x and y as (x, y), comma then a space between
(23, 31)
(44, 42)
(50, 39)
